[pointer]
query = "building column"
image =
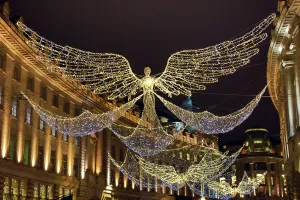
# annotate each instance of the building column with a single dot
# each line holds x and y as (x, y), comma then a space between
(252, 175)
(269, 184)
(107, 135)
(280, 178)
(290, 106)
(21, 117)
(295, 48)
(48, 130)
(99, 153)
(35, 125)
(5, 136)
(117, 172)
(59, 139)
(83, 155)
(71, 144)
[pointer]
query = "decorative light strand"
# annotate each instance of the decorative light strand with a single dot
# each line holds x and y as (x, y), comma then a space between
(186, 71)
(146, 139)
(209, 123)
(84, 124)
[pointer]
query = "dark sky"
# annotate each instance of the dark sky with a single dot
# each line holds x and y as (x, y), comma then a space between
(148, 32)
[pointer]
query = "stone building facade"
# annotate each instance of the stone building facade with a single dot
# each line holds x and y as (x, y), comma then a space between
(283, 72)
(37, 162)
(258, 156)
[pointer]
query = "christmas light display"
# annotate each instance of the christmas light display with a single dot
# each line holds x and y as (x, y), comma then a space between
(209, 123)
(84, 124)
(186, 71)
(149, 138)
(247, 185)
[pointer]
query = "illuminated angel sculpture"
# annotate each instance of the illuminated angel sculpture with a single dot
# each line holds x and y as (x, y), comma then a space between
(186, 71)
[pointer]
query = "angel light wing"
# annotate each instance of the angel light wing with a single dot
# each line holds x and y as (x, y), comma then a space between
(190, 70)
(102, 73)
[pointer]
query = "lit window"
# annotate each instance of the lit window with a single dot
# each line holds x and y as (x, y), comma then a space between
(54, 132)
(28, 114)
(246, 143)
(180, 155)
(188, 156)
(263, 181)
(14, 107)
(65, 137)
(233, 179)
(42, 125)
(257, 142)
(195, 158)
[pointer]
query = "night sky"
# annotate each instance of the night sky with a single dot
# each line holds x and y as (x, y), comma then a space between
(148, 32)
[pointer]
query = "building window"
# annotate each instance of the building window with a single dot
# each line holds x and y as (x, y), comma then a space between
(273, 166)
(263, 181)
(65, 137)
(195, 158)
(188, 156)
(77, 112)
(113, 152)
(1, 97)
(260, 166)
(55, 100)
(14, 107)
(257, 142)
(65, 165)
(1, 61)
(121, 155)
(28, 114)
(52, 161)
(76, 140)
(16, 73)
(40, 156)
(66, 107)
(30, 84)
(75, 168)
(42, 125)
(44, 92)
(54, 132)
(12, 146)
(27, 151)
(180, 155)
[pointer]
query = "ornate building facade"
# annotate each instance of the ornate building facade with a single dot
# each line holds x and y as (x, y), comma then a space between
(283, 72)
(258, 156)
(37, 162)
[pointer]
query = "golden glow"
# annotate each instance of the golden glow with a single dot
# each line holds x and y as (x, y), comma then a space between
(256, 129)
(46, 164)
(186, 71)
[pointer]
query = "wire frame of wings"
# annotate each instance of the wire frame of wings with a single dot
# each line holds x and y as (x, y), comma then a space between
(149, 137)
(209, 123)
(84, 124)
(137, 170)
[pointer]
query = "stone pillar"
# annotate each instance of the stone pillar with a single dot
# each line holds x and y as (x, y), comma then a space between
(70, 144)
(268, 179)
(99, 153)
(252, 175)
(290, 105)
(279, 174)
(5, 136)
(48, 131)
(295, 48)
(83, 155)
(21, 117)
(59, 139)
(107, 135)
(35, 125)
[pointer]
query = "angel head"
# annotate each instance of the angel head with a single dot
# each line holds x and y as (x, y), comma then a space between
(147, 71)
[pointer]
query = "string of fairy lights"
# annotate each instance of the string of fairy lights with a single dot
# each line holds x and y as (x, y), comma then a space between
(84, 124)
(186, 72)
(209, 123)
